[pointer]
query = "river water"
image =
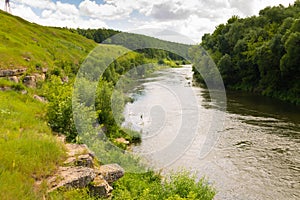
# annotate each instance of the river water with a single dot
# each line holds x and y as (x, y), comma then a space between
(255, 154)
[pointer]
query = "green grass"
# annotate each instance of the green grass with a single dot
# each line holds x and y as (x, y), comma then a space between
(25, 44)
(28, 151)
(178, 186)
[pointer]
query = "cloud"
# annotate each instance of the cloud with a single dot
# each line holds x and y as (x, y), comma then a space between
(107, 11)
(42, 4)
(192, 17)
(167, 11)
(246, 7)
(55, 14)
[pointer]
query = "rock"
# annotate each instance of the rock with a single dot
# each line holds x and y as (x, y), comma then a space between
(71, 177)
(44, 70)
(81, 173)
(100, 188)
(61, 138)
(14, 79)
(39, 98)
(65, 79)
(12, 72)
(110, 172)
(39, 77)
(30, 81)
(78, 149)
(5, 88)
(81, 160)
(122, 140)
(79, 155)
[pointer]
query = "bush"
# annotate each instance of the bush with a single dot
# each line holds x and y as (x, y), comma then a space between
(150, 186)
(59, 112)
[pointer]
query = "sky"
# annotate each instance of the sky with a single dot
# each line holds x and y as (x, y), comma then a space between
(191, 18)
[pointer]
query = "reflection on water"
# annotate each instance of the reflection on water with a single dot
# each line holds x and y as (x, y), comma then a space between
(257, 155)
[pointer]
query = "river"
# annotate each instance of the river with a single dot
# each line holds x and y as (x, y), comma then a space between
(255, 154)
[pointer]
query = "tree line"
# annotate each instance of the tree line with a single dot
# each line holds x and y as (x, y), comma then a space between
(258, 54)
(135, 42)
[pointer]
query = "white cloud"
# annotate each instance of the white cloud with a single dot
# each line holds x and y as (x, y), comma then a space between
(104, 11)
(42, 4)
(56, 14)
(192, 17)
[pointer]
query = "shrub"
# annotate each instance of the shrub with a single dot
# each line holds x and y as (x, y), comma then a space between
(180, 185)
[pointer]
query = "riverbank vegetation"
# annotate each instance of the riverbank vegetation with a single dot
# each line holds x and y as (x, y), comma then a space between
(260, 53)
(28, 150)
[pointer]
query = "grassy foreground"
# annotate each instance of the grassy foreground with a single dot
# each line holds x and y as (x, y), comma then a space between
(28, 150)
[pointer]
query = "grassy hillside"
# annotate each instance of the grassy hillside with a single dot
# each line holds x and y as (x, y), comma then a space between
(24, 44)
(28, 150)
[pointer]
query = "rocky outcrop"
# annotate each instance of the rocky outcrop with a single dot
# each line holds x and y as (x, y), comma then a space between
(39, 77)
(71, 177)
(29, 81)
(15, 75)
(80, 170)
(12, 72)
(110, 172)
(99, 187)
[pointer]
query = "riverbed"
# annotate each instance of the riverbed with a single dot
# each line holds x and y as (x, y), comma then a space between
(253, 154)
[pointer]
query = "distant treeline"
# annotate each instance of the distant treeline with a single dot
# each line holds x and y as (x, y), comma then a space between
(136, 41)
(259, 53)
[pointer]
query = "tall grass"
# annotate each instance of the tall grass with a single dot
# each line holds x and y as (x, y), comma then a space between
(28, 151)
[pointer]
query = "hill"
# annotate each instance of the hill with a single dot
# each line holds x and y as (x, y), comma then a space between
(25, 44)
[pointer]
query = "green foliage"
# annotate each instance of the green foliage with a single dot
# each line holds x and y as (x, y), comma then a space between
(59, 108)
(150, 186)
(134, 41)
(257, 54)
(75, 194)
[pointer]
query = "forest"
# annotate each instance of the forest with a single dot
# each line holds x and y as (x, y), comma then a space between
(139, 43)
(258, 54)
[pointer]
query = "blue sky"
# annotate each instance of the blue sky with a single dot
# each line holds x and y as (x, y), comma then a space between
(191, 18)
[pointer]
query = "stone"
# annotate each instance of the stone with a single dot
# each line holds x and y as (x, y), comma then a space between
(44, 70)
(81, 160)
(110, 172)
(5, 88)
(78, 149)
(100, 188)
(39, 98)
(122, 140)
(71, 177)
(65, 79)
(61, 138)
(14, 79)
(12, 72)
(39, 77)
(30, 81)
